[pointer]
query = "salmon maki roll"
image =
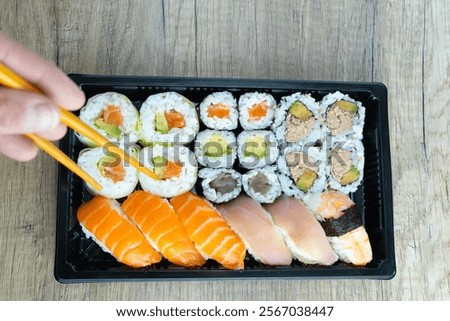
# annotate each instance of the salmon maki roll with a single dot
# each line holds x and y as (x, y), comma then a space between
(210, 233)
(160, 225)
(103, 220)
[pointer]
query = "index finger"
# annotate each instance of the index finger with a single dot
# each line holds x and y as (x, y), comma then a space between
(41, 73)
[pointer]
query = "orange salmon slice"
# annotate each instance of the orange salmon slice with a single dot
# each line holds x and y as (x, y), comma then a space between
(157, 220)
(257, 111)
(112, 115)
(175, 119)
(219, 110)
(103, 218)
(210, 233)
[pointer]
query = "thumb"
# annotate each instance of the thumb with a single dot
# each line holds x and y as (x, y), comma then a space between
(24, 112)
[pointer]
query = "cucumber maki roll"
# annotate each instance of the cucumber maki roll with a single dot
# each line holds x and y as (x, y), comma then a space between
(257, 148)
(220, 185)
(112, 115)
(219, 111)
(256, 110)
(216, 149)
(168, 118)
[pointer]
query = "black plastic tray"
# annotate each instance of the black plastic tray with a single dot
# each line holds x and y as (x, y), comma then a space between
(80, 260)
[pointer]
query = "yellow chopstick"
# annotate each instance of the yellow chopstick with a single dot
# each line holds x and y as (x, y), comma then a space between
(10, 79)
(57, 154)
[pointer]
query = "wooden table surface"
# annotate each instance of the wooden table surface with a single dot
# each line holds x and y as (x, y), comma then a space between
(404, 43)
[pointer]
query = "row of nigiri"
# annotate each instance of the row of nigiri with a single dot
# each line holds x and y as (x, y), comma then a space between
(188, 230)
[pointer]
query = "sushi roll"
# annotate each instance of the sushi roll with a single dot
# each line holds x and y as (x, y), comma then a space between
(118, 179)
(302, 170)
(343, 116)
(219, 111)
(256, 110)
(297, 120)
(257, 148)
(345, 165)
(262, 184)
(220, 185)
(343, 226)
(114, 116)
(215, 149)
(168, 118)
(175, 167)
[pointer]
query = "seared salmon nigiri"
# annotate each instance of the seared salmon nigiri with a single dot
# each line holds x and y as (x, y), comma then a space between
(103, 220)
(210, 233)
(158, 222)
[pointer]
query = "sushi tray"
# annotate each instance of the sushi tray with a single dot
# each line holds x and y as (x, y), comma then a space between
(237, 179)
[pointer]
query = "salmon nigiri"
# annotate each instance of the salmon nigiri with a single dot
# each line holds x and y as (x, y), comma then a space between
(103, 220)
(158, 222)
(210, 233)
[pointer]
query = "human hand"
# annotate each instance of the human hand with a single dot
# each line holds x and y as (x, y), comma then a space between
(25, 112)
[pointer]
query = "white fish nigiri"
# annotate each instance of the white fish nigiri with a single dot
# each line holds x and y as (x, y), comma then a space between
(257, 230)
(302, 232)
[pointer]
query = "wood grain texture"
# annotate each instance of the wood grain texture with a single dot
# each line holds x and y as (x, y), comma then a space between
(404, 44)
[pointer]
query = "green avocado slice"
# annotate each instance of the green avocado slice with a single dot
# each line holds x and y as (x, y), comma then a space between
(307, 179)
(351, 176)
(161, 124)
(347, 106)
(111, 130)
(300, 111)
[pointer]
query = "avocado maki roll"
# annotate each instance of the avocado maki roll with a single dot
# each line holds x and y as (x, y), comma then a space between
(215, 149)
(117, 178)
(257, 148)
(219, 111)
(343, 116)
(175, 167)
(302, 170)
(220, 185)
(168, 118)
(262, 184)
(345, 165)
(112, 115)
(256, 110)
(297, 120)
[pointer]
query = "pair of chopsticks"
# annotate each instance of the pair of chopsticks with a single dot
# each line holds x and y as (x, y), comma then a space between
(10, 79)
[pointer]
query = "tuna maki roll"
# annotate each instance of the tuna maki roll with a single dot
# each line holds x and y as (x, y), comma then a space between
(297, 120)
(175, 167)
(257, 148)
(345, 166)
(262, 184)
(302, 171)
(256, 110)
(343, 116)
(220, 185)
(216, 149)
(219, 111)
(113, 115)
(116, 178)
(168, 118)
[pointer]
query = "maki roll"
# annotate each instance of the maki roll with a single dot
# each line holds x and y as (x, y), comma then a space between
(256, 110)
(257, 148)
(220, 185)
(215, 149)
(113, 115)
(345, 166)
(343, 226)
(262, 184)
(297, 120)
(168, 118)
(175, 167)
(117, 178)
(219, 111)
(344, 116)
(302, 171)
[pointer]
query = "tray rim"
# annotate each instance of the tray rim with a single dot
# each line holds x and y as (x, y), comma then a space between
(63, 273)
